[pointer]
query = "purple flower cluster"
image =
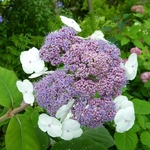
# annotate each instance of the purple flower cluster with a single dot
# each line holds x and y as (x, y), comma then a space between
(90, 67)
(56, 44)
(94, 112)
(54, 90)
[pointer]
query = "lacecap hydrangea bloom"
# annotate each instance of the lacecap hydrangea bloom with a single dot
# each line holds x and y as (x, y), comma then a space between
(91, 68)
(82, 92)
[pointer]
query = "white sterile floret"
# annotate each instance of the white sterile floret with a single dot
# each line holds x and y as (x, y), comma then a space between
(131, 66)
(44, 71)
(64, 110)
(26, 88)
(122, 102)
(124, 119)
(31, 61)
(50, 125)
(70, 23)
(98, 35)
(71, 129)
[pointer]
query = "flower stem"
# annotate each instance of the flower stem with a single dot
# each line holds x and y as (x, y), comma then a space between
(11, 113)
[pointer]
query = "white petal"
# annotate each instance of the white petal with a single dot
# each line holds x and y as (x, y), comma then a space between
(129, 113)
(119, 100)
(28, 68)
(28, 85)
(119, 116)
(24, 57)
(33, 54)
(55, 130)
(98, 35)
(38, 65)
(43, 127)
(72, 126)
(71, 23)
(20, 86)
(121, 126)
(71, 129)
(126, 104)
(50, 124)
(132, 60)
(28, 98)
(64, 110)
(37, 74)
(66, 135)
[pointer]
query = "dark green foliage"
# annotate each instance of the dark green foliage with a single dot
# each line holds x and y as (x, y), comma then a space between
(25, 24)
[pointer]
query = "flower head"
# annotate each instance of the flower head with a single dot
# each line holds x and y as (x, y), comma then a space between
(135, 50)
(50, 125)
(145, 76)
(26, 88)
(31, 61)
(70, 129)
(70, 23)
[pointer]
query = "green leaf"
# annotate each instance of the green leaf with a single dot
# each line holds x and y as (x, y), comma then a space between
(99, 135)
(126, 141)
(135, 29)
(138, 43)
(141, 121)
(125, 16)
(147, 125)
(10, 97)
(43, 138)
(135, 128)
(141, 107)
(20, 134)
(145, 138)
(124, 41)
(146, 38)
(147, 84)
(121, 25)
(78, 144)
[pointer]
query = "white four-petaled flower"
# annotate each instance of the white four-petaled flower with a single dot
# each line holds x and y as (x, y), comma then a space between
(26, 88)
(31, 61)
(70, 129)
(50, 125)
(131, 66)
(70, 23)
(124, 118)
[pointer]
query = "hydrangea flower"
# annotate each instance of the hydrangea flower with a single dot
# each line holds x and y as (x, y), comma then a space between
(70, 23)
(31, 61)
(50, 125)
(145, 76)
(70, 129)
(26, 88)
(98, 35)
(124, 119)
(131, 66)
